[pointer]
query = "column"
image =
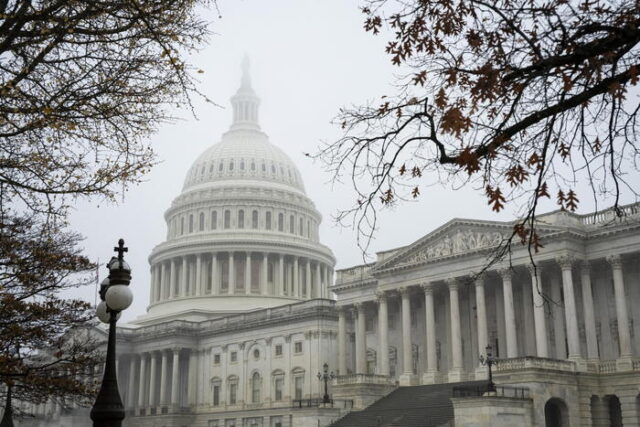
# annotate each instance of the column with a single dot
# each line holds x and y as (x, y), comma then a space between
(232, 274)
(279, 285)
(481, 310)
(539, 319)
(153, 294)
(175, 378)
(142, 383)
(307, 280)
(429, 377)
(570, 312)
(296, 282)
(509, 313)
(383, 334)
(132, 383)
(192, 380)
(318, 282)
(407, 377)
(152, 379)
(264, 276)
(361, 339)
(589, 314)
(624, 336)
(342, 340)
(215, 279)
(183, 284)
(163, 378)
(247, 274)
(558, 317)
(198, 282)
(173, 275)
(164, 283)
(455, 373)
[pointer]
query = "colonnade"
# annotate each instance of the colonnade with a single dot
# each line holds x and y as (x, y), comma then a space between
(236, 273)
(558, 317)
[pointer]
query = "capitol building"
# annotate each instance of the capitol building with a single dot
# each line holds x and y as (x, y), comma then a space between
(245, 311)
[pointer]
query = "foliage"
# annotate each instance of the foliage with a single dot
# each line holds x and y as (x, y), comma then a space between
(523, 99)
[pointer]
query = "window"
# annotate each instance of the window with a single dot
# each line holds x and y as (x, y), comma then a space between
(309, 229)
(254, 219)
(264, 167)
(267, 221)
(190, 223)
(256, 354)
(214, 220)
(279, 386)
(298, 384)
(221, 167)
(253, 166)
(216, 394)
(291, 224)
(273, 169)
(234, 356)
(297, 347)
(301, 228)
(240, 219)
(201, 221)
(227, 219)
(182, 225)
(279, 350)
(241, 165)
(231, 165)
(255, 388)
(216, 359)
(233, 391)
(280, 222)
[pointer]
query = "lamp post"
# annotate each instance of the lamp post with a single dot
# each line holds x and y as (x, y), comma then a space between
(326, 376)
(115, 297)
(489, 361)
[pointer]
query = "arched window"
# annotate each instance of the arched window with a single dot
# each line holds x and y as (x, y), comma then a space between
(231, 165)
(555, 413)
(256, 383)
(182, 225)
(215, 391)
(242, 164)
(221, 166)
(214, 220)
(191, 223)
(308, 229)
(278, 385)
(201, 221)
(267, 221)
(273, 169)
(211, 168)
(254, 220)
(298, 383)
(301, 228)
(253, 166)
(240, 218)
(232, 383)
(280, 222)
(264, 167)
(292, 224)
(227, 219)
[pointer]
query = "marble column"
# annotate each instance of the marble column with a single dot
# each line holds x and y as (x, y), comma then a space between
(143, 381)
(383, 334)
(173, 275)
(198, 281)
(247, 274)
(280, 283)
(163, 378)
(232, 274)
(152, 379)
(131, 391)
(509, 313)
(539, 318)
(557, 312)
(342, 341)
(455, 373)
(361, 339)
(153, 294)
(588, 311)
(296, 281)
(429, 377)
(318, 282)
(307, 279)
(192, 379)
(407, 377)
(183, 273)
(164, 283)
(624, 335)
(215, 278)
(264, 276)
(175, 378)
(570, 312)
(481, 310)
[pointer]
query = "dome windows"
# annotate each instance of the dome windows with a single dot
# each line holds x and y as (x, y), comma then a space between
(264, 167)
(240, 218)
(231, 165)
(201, 225)
(242, 164)
(254, 219)
(253, 166)
(280, 222)
(291, 225)
(227, 219)
(214, 220)
(221, 167)
(267, 220)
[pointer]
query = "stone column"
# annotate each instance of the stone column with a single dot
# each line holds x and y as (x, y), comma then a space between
(192, 380)
(509, 313)
(247, 274)
(481, 310)
(279, 285)
(342, 341)
(183, 284)
(173, 276)
(153, 294)
(570, 312)
(152, 379)
(175, 378)
(318, 282)
(264, 276)
(132, 383)
(539, 319)
(232, 274)
(557, 312)
(589, 314)
(361, 339)
(296, 282)
(624, 335)
(383, 334)
(164, 283)
(455, 373)
(143, 381)
(307, 279)
(429, 377)
(407, 377)
(198, 282)
(163, 378)
(215, 279)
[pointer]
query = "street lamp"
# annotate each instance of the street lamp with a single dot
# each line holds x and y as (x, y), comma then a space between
(115, 296)
(326, 376)
(489, 361)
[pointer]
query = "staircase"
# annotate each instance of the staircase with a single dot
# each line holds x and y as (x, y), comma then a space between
(417, 406)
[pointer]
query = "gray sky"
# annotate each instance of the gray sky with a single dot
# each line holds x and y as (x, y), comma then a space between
(308, 58)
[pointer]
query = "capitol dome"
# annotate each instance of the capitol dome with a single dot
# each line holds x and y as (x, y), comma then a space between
(242, 235)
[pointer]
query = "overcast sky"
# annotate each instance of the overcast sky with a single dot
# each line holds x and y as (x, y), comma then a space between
(308, 58)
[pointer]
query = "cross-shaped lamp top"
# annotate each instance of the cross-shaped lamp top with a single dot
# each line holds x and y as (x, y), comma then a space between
(120, 249)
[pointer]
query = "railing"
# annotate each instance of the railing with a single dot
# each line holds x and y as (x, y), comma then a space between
(610, 214)
(500, 390)
(607, 366)
(319, 403)
(363, 379)
(519, 363)
(354, 274)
